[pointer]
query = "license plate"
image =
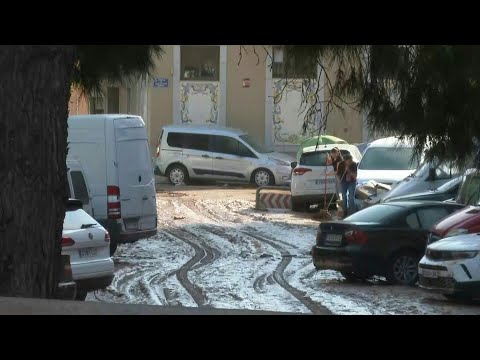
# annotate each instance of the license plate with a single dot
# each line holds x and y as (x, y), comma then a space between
(430, 273)
(333, 239)
(87, 252)
(329, 181)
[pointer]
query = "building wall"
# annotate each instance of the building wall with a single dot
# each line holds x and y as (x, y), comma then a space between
(246, 105)
(160, 100)
(78, 104)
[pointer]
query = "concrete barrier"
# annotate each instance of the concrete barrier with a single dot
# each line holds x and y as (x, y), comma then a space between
(273, 200)
(23, 306)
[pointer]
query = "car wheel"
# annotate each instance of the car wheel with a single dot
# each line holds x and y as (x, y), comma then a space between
(298, 205)
(81, 295)
(263, 177)
(403, 268)
(177, 174)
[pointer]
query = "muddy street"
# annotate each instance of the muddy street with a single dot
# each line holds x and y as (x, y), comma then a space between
(213, 249)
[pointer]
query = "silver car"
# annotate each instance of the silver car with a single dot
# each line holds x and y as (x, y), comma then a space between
(187, 152)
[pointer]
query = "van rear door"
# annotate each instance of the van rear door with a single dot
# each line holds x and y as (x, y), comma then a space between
(135, 175)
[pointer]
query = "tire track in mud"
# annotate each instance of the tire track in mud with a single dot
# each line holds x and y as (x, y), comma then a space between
(203, 256)
(278, 275)
(311, 305)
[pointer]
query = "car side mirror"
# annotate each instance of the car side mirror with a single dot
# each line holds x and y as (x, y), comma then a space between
(294, 164)
(432, 174)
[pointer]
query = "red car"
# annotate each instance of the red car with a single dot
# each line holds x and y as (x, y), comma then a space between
(464, 221)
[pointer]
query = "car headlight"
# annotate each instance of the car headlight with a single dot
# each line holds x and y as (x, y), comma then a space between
(438, 255)
(279, 162)
(455, 232)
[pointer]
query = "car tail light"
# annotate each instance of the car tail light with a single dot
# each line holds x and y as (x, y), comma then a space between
(66, 241)
(107, 237)
(356, 237)
(301, 171)
(113, 202)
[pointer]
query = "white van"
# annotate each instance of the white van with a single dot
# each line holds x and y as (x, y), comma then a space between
(115, 155)
(386, 161)
(213, 153)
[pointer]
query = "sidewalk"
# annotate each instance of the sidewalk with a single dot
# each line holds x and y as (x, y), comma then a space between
(23, 306)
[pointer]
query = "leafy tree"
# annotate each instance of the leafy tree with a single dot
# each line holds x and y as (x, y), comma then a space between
(35, 85)
(428, 93)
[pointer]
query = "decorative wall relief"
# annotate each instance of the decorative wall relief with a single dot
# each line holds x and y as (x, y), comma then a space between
(287, 105)
(199, 102)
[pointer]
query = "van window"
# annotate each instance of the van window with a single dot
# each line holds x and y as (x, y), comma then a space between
(79, 187)
(231, 146)
(388, 158)
(188, 141)
(318, 158)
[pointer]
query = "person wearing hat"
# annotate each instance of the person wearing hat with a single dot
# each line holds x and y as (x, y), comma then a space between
(347, 171)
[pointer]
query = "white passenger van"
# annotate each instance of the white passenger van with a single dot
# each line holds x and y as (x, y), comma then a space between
(115, 155)
(187, 152)
(387, 161)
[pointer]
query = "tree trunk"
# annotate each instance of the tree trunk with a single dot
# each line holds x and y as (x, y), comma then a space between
(34, 94)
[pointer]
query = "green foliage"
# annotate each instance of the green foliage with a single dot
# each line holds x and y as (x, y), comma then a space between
(428, 93)
(99, 63)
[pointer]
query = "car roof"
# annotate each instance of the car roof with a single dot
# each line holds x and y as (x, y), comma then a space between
(103, 116)
(391, 141)
(327, 147)
(204, 129)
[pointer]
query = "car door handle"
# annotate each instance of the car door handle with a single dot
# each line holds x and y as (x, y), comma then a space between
(219, 158)
(206, 156)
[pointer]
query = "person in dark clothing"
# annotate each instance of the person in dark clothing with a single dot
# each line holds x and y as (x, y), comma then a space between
(347, 171)
(333, 159)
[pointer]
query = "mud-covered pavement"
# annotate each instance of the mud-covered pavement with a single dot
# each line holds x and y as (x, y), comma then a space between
(213, 249)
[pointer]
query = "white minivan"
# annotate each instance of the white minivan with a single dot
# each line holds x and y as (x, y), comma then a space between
(386, 161)
(213, 153)
(115, 156)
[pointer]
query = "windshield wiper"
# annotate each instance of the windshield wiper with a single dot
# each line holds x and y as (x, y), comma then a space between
(87, 226)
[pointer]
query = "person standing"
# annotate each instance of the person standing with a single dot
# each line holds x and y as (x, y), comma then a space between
(335, 158)
(347, 171)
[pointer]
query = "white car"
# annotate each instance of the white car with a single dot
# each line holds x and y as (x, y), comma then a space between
(386, 161)
(88, 245)
(312, 173)
(187, 152)
(452, 266)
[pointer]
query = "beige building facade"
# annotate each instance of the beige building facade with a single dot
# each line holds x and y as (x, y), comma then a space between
(225, 85)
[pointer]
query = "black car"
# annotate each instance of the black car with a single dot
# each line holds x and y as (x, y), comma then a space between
(447, 191)
(386, 240)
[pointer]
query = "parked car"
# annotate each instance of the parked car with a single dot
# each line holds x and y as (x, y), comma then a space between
(429, 176)
(385, 240)
(452, 267)
(467, 220)
(312, 179)
(115, 156)
(387, 161)
(447, 191)
(87, 243)
(66, 288)
(215, 153)
(362, 147)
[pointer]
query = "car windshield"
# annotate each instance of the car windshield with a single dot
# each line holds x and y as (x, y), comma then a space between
(388, 158)
(374, 214)
(75, 219)
(318, 158)
(262, 149)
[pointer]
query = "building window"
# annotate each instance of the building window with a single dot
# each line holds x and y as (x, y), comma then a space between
(113, 100)
(199, 63)
(97, 105)
(287, 66)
